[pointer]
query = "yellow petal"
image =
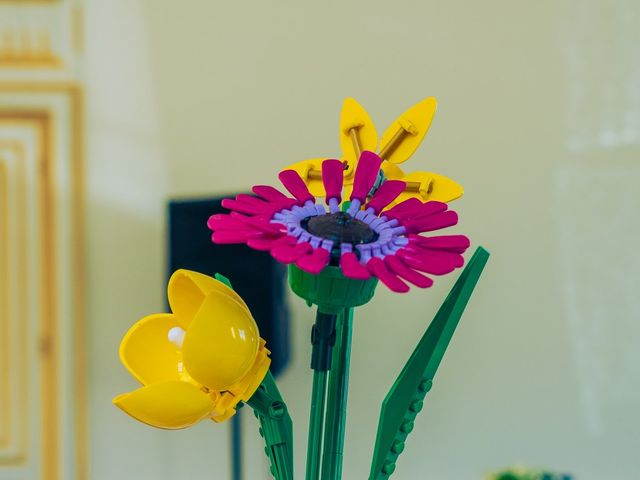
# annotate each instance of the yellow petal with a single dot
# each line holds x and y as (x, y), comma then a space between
(406, 133)
(392, 171)
(147, 352)
(187, 290)
(170, 405)
(430, 186)
(221, 343)
(354, 116)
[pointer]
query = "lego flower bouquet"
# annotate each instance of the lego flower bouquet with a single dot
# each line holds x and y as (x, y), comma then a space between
(346, 225)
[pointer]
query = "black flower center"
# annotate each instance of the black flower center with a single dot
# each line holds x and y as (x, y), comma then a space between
(339, 227)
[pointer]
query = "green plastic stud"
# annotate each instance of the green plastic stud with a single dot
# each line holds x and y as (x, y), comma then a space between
(397, 447)
(389, 468)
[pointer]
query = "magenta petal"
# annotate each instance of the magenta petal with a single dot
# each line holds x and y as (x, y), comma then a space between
(431, 208)
(268, 243)
(377, 267)
(315, 262)
(399, 268)
(250, 208)
(439, 256)
(236, 206)
(452, 243)
(237, 221)
(224, 221)
(270, 193)
(252, 200)
(290, 253)
(332, 176)
(234, 236)
(386, 194)
(436, 263)
(260, 223)
(434, 222)
(261, 205)
(262, 217)
(266, 227)
(404, 209)
(352, 268)
(365, 176)
(296, 186)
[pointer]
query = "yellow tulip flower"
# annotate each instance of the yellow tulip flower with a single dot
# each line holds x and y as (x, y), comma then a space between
(195, 363)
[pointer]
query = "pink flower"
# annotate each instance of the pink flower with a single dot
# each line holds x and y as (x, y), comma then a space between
(365, 240)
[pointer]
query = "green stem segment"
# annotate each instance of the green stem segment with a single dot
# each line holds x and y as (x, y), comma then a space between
(316, 424)
(276, 427)
(335, 296)
(332, 452)
(323, 338)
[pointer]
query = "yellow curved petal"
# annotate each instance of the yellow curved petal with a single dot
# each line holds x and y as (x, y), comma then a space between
(221, 343)
(147, 352)
(430, 186)
(392, 171)
(354, 116)
(187, 290)
(406, 133)
(253, 379)
(170, 405)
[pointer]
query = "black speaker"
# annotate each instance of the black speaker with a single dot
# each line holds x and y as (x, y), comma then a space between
(256, 276)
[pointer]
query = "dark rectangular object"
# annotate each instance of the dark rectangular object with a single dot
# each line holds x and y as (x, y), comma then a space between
(256, 276)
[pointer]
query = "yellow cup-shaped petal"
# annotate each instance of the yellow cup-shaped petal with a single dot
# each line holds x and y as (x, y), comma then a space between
(170, 405)
(187, 290)
(147, 352)
(221, 344)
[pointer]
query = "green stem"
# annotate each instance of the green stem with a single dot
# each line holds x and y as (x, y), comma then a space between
(275, 426)
(337, 399)
(316, 424)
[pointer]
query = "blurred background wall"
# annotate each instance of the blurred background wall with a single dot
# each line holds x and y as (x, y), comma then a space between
(539, 120)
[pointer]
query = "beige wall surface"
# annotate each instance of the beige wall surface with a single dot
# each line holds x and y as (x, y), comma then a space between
(539, 120)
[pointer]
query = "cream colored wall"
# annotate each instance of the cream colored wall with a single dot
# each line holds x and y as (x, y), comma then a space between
(539, 119)
(127, 185)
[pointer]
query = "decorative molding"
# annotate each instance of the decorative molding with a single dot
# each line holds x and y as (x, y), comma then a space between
(40, 38)
(39, 112)
(39, 123)
(43, 414)
(15, 355)
(27, 48)
(5, 342)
